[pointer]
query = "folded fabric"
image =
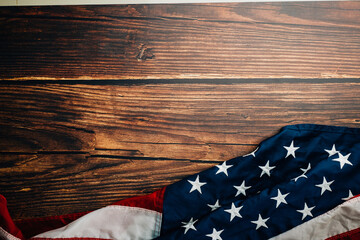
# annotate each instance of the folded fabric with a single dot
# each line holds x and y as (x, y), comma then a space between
(298, 184)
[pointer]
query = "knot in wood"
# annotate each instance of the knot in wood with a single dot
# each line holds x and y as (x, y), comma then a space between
(144, 53)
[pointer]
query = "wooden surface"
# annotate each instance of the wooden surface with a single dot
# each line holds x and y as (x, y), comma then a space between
(101, 103)
(247, 40)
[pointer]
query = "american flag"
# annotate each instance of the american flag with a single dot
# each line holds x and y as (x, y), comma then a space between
(299, 184)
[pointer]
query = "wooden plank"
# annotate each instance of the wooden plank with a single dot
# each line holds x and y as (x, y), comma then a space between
(62, 144)
(187, 119)
(224, 40)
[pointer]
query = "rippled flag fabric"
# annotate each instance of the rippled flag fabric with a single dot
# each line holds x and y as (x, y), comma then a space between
(291, 178)
(298, 184)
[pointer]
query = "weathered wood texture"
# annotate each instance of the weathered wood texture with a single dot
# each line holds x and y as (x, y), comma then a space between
(232, 40)
(69, 148)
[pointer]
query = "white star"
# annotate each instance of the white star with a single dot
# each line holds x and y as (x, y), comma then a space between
(349, 197)
(266, 169)
(189, 225)
(297, 178)
(332, 151)
(325, 186)
(241, 189)
(223, 168)
(215, 206)
(306, 211)
(234, 211)
(280, 198)
(260, 222)
(305, 170)
(196, 185)
(252, 153)
(343, 160)
(215, 235)
(291, 149)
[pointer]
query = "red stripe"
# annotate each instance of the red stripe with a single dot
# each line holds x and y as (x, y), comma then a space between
(153, 201)
(351, 235)
(6, 221)
(35, 226)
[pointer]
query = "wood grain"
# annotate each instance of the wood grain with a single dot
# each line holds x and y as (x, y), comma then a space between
(118, 101)
(227, 40)
(51, 184)
(58, 153)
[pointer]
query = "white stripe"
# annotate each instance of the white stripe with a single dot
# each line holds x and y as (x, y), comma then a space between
(95, 2)
(112, 222)
(7, 236)
(8, 3)
(343, 218)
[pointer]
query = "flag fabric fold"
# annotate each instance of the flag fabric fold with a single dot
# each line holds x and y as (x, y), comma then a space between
(301, 183)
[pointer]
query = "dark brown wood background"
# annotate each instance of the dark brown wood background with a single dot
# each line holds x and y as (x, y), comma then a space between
(101, 103)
